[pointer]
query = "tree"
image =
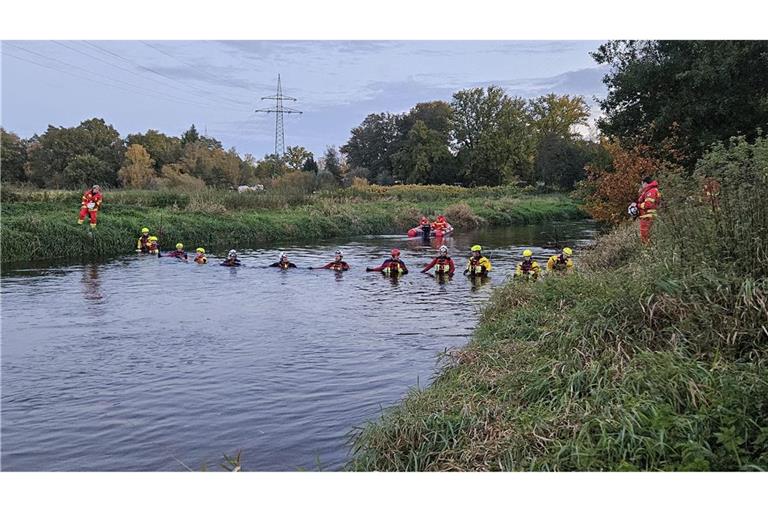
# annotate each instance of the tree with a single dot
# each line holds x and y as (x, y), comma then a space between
(137, 171)
(51, 152)
(296, 156)
(332, 164)
(424, 157)
(13, 157)
(173, 176)
(190, 136)
(560, 162)
(372, 144)
(272, 166)
(492, 136)
(695, 92)
(162, 148)
(558, 115)
(86, 170)
(310, 165)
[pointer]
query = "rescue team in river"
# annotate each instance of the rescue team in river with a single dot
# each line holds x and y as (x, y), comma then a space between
(644, 209)
(443, 265)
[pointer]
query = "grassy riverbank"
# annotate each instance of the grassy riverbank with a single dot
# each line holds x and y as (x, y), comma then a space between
(646, 359)
(42, 224)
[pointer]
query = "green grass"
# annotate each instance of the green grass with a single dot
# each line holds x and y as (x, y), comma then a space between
(38, 225)
(648, 358)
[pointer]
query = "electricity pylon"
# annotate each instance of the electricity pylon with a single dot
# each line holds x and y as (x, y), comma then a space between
(279, 110)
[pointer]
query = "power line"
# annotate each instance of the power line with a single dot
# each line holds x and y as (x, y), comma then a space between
(238, 103)
(201, 70)
(67, 70)
(170, 96)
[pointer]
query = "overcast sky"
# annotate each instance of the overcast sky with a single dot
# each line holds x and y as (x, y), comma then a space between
(169, 85)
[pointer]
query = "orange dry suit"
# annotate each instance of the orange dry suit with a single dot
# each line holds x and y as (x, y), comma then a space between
(647, 203)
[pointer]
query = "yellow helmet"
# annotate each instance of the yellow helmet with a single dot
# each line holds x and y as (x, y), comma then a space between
(476, 248)
(567, 251)
(179, 246)
(527, 253)
(200, 249)
(145, 231)
(153, 238)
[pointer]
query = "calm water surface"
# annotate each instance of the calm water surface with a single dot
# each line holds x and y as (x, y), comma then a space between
(146, 364)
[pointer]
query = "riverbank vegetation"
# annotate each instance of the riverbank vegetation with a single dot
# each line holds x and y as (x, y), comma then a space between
(647, 358)
(41, 224)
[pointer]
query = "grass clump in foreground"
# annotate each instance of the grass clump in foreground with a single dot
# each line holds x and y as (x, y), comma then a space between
(40, 225)
(646, 359)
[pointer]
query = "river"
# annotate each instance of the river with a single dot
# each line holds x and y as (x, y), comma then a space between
(146, 364)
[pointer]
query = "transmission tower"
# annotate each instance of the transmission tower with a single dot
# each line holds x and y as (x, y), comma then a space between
(279, 110)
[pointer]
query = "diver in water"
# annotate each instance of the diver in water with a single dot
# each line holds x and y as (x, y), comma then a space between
(443, 264)
(231, 260)
(338, 264)
(179, 253)
(392, 266)
(283, 263)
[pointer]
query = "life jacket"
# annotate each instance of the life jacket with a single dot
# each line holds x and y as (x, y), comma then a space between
(201, 258)
(393, 268)
(479, 266)
(528, 268)
(559, 262)
(143, 243)
(178, 254)
(90, 197)
(648, 201)
(284, 265)
(339, 265)
(152, 246)
(439, 225)
(442, 266)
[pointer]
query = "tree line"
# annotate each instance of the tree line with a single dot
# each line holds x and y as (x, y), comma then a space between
(667, 103)
(94, 152)
(482, 137)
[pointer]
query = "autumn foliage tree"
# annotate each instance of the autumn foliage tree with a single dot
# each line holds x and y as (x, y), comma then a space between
(610, 188)
(138, 168)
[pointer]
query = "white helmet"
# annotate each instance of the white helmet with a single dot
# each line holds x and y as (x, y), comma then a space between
(443, 249)
(632, 210)
(339, 252)
(283, 255)
(232, 254)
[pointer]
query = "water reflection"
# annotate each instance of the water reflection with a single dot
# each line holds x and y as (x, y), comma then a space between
(478, 282)
(91, 281)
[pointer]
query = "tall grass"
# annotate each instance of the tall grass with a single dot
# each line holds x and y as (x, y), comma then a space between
(646, 359)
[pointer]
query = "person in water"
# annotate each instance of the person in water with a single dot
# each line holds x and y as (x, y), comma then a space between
(561, 263)
(153, 246)
(338, 264)
(283, 263)
(478, 265)
(179, 253)
(425, 226)
(392, 266)
(200, 256)
(231, 260)
(527, 269)
(142, 245)
(443, 264)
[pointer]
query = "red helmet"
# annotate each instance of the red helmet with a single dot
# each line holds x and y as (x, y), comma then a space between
(424, 220)
(395, 252)
(441, 218)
